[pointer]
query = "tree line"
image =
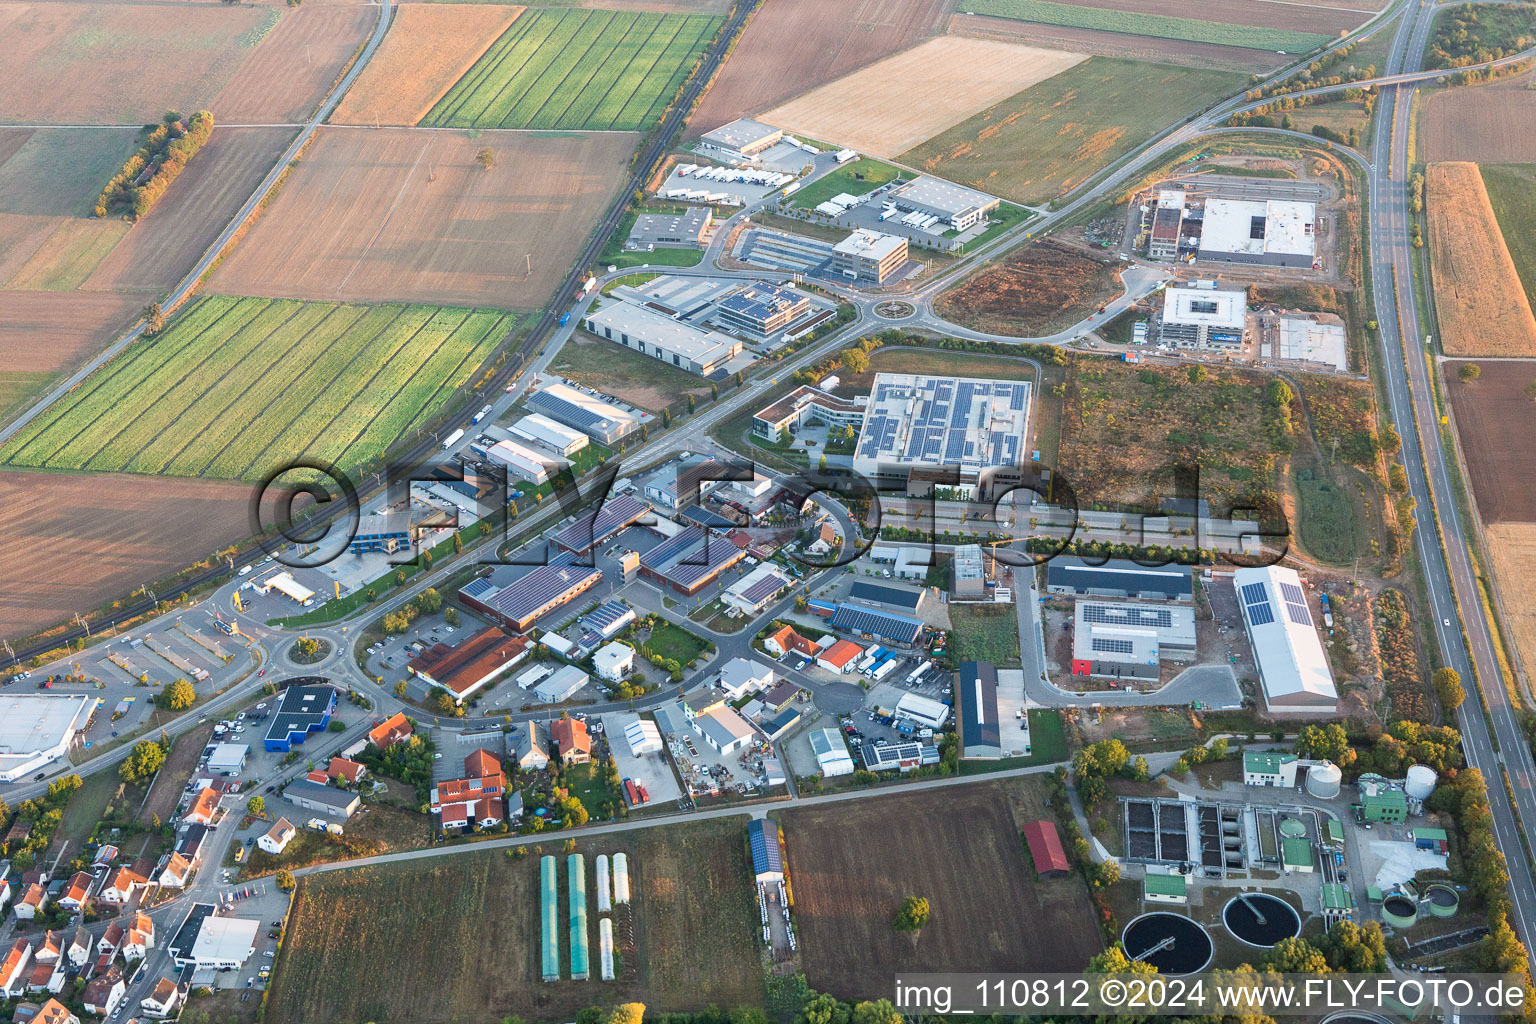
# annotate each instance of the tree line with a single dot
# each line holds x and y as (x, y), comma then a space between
(145, 176)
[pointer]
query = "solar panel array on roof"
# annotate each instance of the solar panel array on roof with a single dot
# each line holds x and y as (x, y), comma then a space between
(478, 588)
(1122, 616)
(861, 619)
(1112, 645)
(692, 555)
(1256, 604)
(1296, 604)
(762, 589)
(592, 529)
(541, 587)
(605, 615)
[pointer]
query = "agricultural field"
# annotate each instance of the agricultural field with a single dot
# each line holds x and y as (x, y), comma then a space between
(360, 940)
(277, 84)
(1471, 122)
(101, 536)
(1512, 193)
(1318, 19)
(1116, 44)
(103, 50)
(1033, 291)
(237, 387)
(164, 244)
(985, 632)
(643, 382)
(856, 178)
(1512, 552)
(396, 214)
(69, 255)
(1051, 137)
(966, 858)
(1493, 414)
(578, 68)
(948, 79)
(46, 334)
(791, 46)
(428, 48)
(1163, 26)
(1480, 304)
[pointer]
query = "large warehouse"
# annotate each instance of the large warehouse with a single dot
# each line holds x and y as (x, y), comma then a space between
(662, 338)
(957, 206)
(37, 728)
(691, 560)
(1119, 640)
(465, 667)
(869, 256)
(1203, 317)
(831, 752)
(741, 140)
(588, 531)
(1293, 667)
(1275, 233)
(546, 433)
(976, 696)
(920, 422)
(1120, 577)
(518, 601)
(602, 421)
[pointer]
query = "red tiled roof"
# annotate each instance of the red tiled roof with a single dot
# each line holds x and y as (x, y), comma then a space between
(344, 768)
(481, 764)
(570, 735)
(178, 866)
(462, 666)
(1045, 847)
(79, 886)
(53, 1012)
(203, 806)
(20, 950)
(390, 731)
(318, 776)
(841, 653)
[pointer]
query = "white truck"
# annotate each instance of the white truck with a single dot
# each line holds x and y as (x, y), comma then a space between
(452, 439)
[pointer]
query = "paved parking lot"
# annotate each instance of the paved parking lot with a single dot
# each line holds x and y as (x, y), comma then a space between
(652, 770)
(262, 901)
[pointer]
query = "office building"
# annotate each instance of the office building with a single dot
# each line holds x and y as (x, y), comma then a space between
(803, 405)
(868, 256)
(761, 310)
(1275, 233)
(1203, 317)
(1167, 225)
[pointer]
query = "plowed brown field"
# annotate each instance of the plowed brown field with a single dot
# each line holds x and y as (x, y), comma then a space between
(1115, 44)
(1481, 305)
(428, 48)
(293, 68)
(123, 63)
(409, 215)
(45, 332)
(100, 536)
(1512, 550)
(1473, 122)
(792, 46)
(1496, 419)
(164, 245)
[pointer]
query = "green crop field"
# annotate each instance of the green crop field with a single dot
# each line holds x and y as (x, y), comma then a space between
(236, 387)
(1048, 139)
(1159, 26)
(1512, 191)
(578, 69)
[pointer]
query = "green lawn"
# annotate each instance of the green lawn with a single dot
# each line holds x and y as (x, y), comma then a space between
(862, 176)
(1512, 191)
(87, 805)
(672, 641)
(1325, 518)
(1156, 25)
(616, 256)
(1048, 139)
(586, 782)
(984, 632)
(578, 69)
(1047, 745)
(1006, 216)
(236, 387)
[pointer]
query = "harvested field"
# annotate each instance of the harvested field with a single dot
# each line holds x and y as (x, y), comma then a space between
(428, 48)
(1285, 15)
(949, 78)
(295, 65)
(1116, 44)
(1512, 191)
(69, 254)
(101, 536)
(238, 387)
(1495, 417)
(961, 849)
(792, 45)
(1512, 552)
(1049, 138)
(125, 63)
(574, 69)
(1033, 291)
(1480, 303)
(1471, 122)
(164, 244)
(399, 214)
(43, 334)
(360, 940)
(1132, 21)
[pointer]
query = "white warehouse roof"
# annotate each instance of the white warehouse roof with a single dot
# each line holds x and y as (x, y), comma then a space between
(1231, 226)
(544, 430)
(655, 328)
(831, 752)
(873, 245)
(642, 736)
(1205, 307)
(922, 709)
(1293, 667)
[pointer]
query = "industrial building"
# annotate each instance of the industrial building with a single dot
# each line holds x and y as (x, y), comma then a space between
(876, 623)
(1380, 802)
(643, 737)
(903, 757)
(1269, 768)
(928, 712)
(522, 462)
(589, 531)
(1202, 317)
(659, 336)
(1274, 233)
(754, 591)
(955, 424)
(323, 799)
(1120, 577)
(1128, 641)
(895, 597)
(38, 728)
(868, 256)
(561, 686)
(740, 140)
(545, 432)
(1165, 888)
(613, 661)
(684, 230)
(302, 709)
(1167, 225)
(386, 532)
(831, 752)
(762, 310)
(206, 941)
(956, 206)
(608, 619)
(1293, 667)
(802, 405)
(690, 561)
(228, 757)
(976, 698)
(724, 729)
(969, 568)
(465, 667)
(602, 421)
(517, 603)
(683, 482)
(767, 858)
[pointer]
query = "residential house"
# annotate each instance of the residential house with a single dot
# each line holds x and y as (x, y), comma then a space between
(77, 891)
(46, 978)
(741, 676)
(531, 748)
(278, 837)
(78, 952)
(162, 1002)
(34, 902)
(123, 886)
(390, 731)
(51, 1012)
(104, 993)
(784, 639)
(571, 740)
(13, 969)
(318, 777)
(781, 696)
(476, 800)
(5, 892)
(204, 806)
(139, 937)
(50, 949)
(177, 872)
(111, 940)
(346, 770)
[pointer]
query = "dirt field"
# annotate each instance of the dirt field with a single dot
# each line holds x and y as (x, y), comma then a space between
(792, 45)
(359, 941)
(295, 65)
(409, 215)
(166, 791)
(1512, 550)
(961, 849)
(1481, 306)
(624, 373)
(428, 48)
(1115, 44)
(949, 79)
(124, 63)
(45, 333)
(164, 245)
(1328, 21)
(1034, 291)
(102, 536)
(1494, 416)
(1472, 122)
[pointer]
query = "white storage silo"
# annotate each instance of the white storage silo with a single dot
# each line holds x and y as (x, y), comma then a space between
(604, 901)
(1420, 782)
(620, 878)
(1323, 781)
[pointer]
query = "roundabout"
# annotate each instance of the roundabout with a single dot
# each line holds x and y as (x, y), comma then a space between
(895, 309)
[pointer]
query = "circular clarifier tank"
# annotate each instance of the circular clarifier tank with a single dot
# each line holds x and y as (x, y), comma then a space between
(1399, 911)
(1293, 828)
(1172, 943)
(1260, 919)
(1443, 900)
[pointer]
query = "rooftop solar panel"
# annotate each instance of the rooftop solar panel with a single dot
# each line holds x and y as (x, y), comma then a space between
(1291, 592)
(1298, 613)
(1260, 613)
(1255, 592)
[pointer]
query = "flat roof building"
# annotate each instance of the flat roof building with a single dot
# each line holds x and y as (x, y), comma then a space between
(317, 796)
(519, 603)
(562, 685)
(1167, 225)
(657, 335)
(969, 567)
(926, 710)
(546, 433)
(1120, 577)
(752, 593)
(724, 729)
(222, 943)
(1316, 339)
(385, 531)
(877, 623)
(1159, 888)
(1293, 667)
(1274, 233)
(303, 709)
(1173, 624)
(1116, 652)
(37, 728)
(1204, 317)
(529, 464)
(761, 310)
(959, 207)
(602, 421)
(741, 139)
(869, 256)
(976, 697)
(684, 230)
(801, 405)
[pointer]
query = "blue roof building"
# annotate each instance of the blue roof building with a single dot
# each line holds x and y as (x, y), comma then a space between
(767, 859)
(303, 709)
